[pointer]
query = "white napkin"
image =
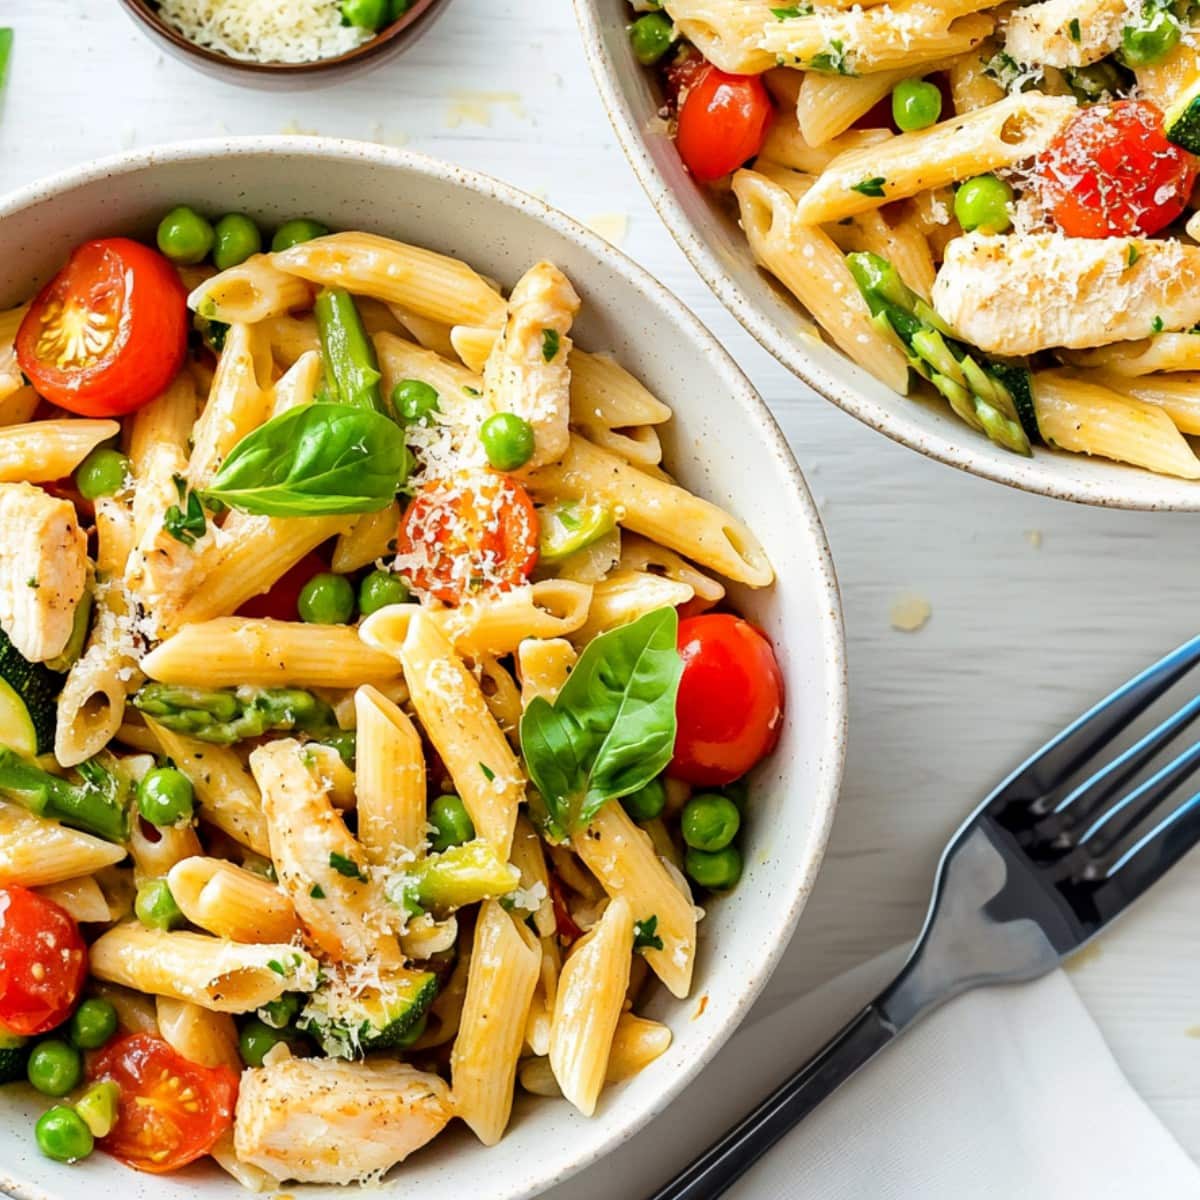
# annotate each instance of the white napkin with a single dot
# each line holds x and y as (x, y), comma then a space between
(1006, 1093)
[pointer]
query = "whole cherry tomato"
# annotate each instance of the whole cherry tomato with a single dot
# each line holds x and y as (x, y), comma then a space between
(730, 706)
(108, 332)
(722, 122)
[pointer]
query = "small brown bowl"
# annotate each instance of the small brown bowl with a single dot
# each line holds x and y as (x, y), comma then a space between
(281, 76)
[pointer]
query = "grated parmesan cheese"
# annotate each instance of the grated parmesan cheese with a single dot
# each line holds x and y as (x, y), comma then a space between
(265, 30)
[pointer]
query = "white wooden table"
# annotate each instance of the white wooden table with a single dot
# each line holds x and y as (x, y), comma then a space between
(1037, 607)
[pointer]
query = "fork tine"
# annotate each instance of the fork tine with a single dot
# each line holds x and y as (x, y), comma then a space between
(1061, 757)
(1153, 855)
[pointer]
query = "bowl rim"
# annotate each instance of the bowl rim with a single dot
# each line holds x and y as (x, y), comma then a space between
(828, 768)
(982, 459)
(153, 25)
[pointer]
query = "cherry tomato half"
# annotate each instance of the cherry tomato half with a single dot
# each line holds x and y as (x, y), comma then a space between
(108, 332)
(282, 600)
(1111, 172)
(475, 531)
(171, 1110)
(722, 122)
(730, 705)
(43, 962)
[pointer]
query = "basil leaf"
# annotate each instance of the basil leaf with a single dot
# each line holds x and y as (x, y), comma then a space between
(315, 460)
(612, 727)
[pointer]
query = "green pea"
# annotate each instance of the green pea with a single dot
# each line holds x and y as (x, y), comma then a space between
(237, 238)
(98, 1107)
(1146, 44)
(451, 823)
(327, 599)
(507, 440)
(651, 36)
(54, 1067)
(92, 1024)
(397, 9)
(293, 233)
(279, 1014)
(155, 907)
(63, 1135)
(378, 590)
(982, 203)
(916, 104)
(710, 821)
(415, 401)
(647, 802)
(165, 796)
(366, 14)
(184, 236)
(716, 870)
(103, 473)
(256, 1039)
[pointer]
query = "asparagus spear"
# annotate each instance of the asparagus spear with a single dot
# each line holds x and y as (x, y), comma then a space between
(351, 369)
(97, 804)
(229, 715)
(980, 393)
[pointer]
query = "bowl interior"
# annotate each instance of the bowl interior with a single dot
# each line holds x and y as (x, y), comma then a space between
(708, 233)
(723, 444)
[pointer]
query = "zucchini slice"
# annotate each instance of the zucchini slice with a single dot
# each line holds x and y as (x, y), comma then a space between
(1182, 122)
(14, 1054)
(27, 702)
(1019, 383)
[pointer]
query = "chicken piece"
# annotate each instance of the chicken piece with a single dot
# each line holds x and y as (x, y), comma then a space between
(322, 868)
(526, 372)
(321, 1120)
(43, 570)
(1027, 292)
(1065, 33)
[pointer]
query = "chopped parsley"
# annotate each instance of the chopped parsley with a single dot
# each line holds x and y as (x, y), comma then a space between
(488, 773)
(346, 866)
(794, 10)
(185, 524)
(1131, 255)
(32, 582)
(1073, 31)
(550, 344)
(275, 965)
(833, 60)
(473, 392)
(645, 934)
(869, 187)
(1157, 326)
(317, 892)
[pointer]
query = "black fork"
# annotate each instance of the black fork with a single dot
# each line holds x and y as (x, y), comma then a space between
(1040, 867)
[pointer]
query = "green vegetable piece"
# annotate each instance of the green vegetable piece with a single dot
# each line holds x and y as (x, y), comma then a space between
(345, 742)
(236, 239)
(81, 622)
(256, 1039)
(397, 8)
(14, 1056)
(651, 36)
(874, 186)
(280, 1013)
(185, 521)
(6, 44)
(28, 702)
(315, 460)
(212, 333)
(97, 1107)
(165, 796)
(92, 1024)
(709, 821)
(1153, 39)
(351, 368)
(346, 866)
(415, 402)
(612, 727)
(916, 104)
(378, 590)
(405, 1040)
(365, 14)
(327, 599)
(155, 907)
(229, 715)
(982, 203)
(566, 526)
(647, 802)
(104, 472)
(718, 871)
(456, 877)
(55, 1067)
(376, 1018)
(645, 934)
(451, 822)
(63, 1135)
(295, 232)
(507, 440)
(96, 805)
(184, 236)
(1104, 80)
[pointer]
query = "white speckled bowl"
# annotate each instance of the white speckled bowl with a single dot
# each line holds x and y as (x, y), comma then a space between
(708, 234)
(723, 443)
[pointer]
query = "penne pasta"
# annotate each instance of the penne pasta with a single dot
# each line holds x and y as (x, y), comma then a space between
(231, 902)
(390, 779)
(253, 291)
(41, 451)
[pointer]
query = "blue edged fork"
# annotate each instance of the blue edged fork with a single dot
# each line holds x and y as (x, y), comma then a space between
(1056, 852)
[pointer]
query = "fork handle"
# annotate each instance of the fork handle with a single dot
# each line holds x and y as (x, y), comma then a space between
(719, 1167)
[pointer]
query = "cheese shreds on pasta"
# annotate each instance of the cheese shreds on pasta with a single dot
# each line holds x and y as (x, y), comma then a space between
(265, 30)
